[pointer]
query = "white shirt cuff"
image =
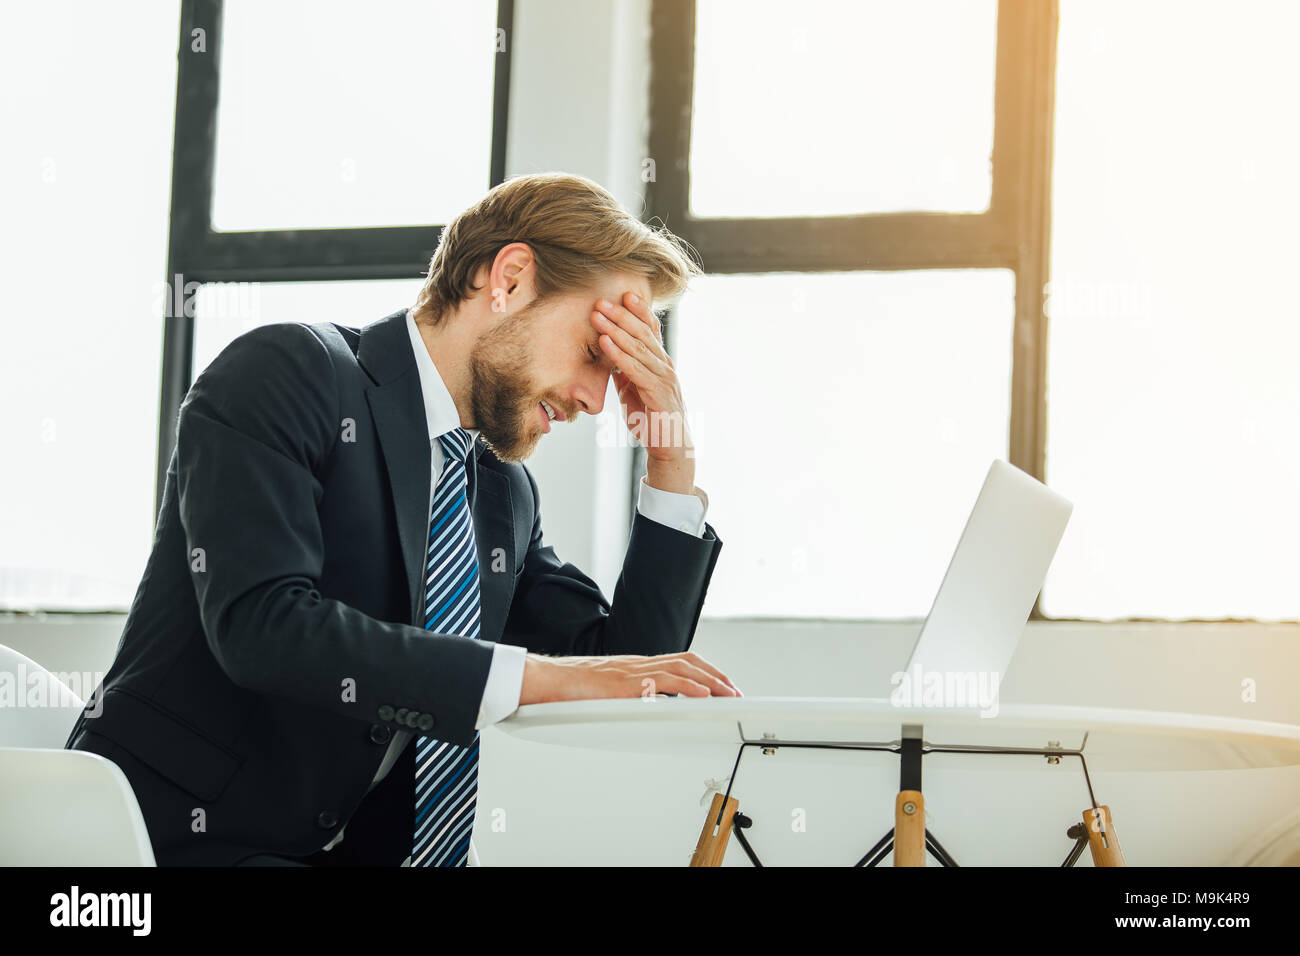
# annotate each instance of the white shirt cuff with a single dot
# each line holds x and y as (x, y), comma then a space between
(682, 512)
(505, 684)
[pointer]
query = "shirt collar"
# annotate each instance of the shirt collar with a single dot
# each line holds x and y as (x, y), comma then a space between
(439, 410)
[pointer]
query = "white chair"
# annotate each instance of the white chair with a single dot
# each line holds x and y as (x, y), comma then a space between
(36, 709)
(68, 808)
(58, 807)
(63, 807)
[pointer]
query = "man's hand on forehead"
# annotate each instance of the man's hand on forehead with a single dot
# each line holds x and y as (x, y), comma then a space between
(631, 302)
(632, 337)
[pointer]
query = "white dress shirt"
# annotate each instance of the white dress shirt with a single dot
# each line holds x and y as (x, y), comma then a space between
(505, 677)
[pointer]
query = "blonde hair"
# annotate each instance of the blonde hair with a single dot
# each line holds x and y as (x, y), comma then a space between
(577, 231)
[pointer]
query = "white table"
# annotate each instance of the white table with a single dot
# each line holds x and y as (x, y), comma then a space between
(1100, 738)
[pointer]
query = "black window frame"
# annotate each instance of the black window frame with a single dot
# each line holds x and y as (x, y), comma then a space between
(1013, 233)
(198, 253)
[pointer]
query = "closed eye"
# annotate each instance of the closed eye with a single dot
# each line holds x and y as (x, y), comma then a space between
(592, 354)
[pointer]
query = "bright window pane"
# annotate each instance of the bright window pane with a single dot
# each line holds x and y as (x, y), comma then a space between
(829, 108)
(336, 116)
(224, 310)
(1174, 388)
(84, 174)
(844, 424)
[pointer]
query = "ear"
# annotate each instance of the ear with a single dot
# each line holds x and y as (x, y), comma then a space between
(510, 280)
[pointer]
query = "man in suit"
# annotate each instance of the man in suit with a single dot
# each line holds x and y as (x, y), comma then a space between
(348, 578)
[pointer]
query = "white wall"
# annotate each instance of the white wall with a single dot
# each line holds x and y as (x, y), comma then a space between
(578, 89)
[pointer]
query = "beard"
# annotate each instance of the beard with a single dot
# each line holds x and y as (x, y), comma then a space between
(503, 395)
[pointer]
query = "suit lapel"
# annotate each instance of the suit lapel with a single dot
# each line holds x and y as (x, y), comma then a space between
(405, 443)
(397, 407)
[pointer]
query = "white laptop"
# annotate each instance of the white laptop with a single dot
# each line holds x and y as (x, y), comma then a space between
(994, 576)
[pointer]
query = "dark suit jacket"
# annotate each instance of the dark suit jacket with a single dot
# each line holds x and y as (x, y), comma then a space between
(270, 654)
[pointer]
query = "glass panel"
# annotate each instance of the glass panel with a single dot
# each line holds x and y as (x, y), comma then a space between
(225, 310)
(1174, 387)
(332, 116)
(84, 171)
(833, 108)
(844, 424)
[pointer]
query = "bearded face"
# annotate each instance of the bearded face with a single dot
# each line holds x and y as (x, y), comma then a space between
(540, 365)
(504, 395)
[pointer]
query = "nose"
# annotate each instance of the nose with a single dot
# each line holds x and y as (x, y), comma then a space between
(589, 393)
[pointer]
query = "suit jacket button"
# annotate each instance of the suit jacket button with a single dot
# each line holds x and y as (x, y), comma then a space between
(412, 719)
(385, 712)
(380, 734)
(327, 820)
(400, 716)
(425, 722)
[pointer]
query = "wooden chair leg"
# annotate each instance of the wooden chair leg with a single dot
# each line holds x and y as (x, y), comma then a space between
(909, 828)
(1103, 841)
(712, 846)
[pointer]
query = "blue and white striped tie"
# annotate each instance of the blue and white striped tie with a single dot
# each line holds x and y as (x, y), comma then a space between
(446, 775)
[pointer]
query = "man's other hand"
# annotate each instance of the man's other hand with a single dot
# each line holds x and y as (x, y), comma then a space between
(625, 675)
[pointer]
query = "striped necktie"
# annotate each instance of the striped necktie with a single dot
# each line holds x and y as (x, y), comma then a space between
(446, 775)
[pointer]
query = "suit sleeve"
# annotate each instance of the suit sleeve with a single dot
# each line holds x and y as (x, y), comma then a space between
(557, 609)
(255, 431)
